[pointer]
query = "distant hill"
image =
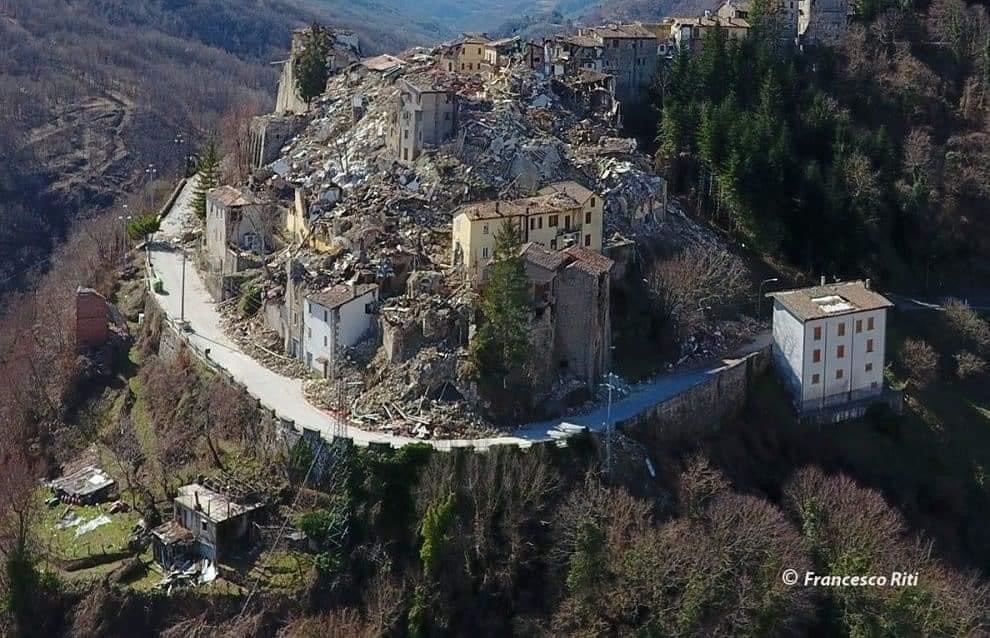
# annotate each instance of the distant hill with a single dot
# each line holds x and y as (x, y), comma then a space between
(95, 91)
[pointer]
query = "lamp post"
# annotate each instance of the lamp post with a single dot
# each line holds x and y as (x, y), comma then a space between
(608, 424)
(759, 295)
(701, 303)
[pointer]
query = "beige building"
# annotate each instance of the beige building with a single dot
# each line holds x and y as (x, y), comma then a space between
(690, 33)
(424, 115)
(561, 215)
(467, 55)
(786, 12)
(499, 53)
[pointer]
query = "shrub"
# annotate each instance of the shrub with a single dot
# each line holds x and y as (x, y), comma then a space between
(969, 365)
(920, 361)
(142, 226)
(968, 324)
(250, 301)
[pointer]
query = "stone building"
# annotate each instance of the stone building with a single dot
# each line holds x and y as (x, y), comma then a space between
(571, 53)
(630, 53)
(345, 49)
(829, 343)
(238, 226)
(822, 22)
(268, 134)
(424, 115)
(561, 215)
(571, 331)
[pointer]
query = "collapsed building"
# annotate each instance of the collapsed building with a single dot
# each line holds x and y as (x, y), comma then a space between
(386, 191)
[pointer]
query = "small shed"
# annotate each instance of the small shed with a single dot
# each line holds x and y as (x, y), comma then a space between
(86, 485)
(170, 543)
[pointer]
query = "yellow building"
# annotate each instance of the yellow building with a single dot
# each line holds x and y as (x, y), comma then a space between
(304, 228)
(466, 55)
(561, 215)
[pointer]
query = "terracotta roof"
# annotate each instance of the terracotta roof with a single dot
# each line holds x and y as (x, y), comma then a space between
(830, 300)
(543, 257)
(553, 198)
(572, 189)
(338, 295)
(589, 261)
(232, 197)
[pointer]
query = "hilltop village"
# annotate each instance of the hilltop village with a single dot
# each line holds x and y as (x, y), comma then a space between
(357, 249)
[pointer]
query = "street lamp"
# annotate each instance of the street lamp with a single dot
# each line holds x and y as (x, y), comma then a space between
(608, 424)
(701, 306)
(759, 295)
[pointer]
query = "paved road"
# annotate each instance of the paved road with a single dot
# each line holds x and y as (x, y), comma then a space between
(285, 394)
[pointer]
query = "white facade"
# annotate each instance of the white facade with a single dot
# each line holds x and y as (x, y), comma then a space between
(329, 325)
(829, 358)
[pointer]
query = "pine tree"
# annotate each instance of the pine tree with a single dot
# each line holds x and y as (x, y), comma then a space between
(208, 176)
(500, 350)
(310, 67)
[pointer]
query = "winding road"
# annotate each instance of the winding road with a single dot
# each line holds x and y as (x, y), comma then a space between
(285, 394)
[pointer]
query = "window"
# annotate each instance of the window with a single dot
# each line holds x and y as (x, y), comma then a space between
(484, 252)
(869, 367)
(324, 316)
(840, 373)
(539, 222)
(869, 345)
(869, 323)
(405, 134)
(859, 326)
(552, 221)
(405, 153)
(593, 202)
(532, 224)
(309, 332)
(484, 229)
(815, 378)
(587, 240)
(842, 329)
(816, 357)
(325, 342)
(203, 524)
(818, 333)
(840, 352)
(587, 218)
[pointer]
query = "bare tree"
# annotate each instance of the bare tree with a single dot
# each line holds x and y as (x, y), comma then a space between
(680, 285)
(128, 455)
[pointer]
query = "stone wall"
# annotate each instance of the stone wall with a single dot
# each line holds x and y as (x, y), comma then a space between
(702, 409)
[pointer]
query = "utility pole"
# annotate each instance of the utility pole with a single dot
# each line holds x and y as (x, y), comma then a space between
(182, 297)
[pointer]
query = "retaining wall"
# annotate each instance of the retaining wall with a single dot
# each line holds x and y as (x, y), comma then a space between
(702, 409)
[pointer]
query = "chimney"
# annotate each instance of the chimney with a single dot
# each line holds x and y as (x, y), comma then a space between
(867, 284)
(823, 280)
(199, 507)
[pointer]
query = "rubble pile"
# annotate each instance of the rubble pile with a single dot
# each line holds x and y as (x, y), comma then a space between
(371, 219)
